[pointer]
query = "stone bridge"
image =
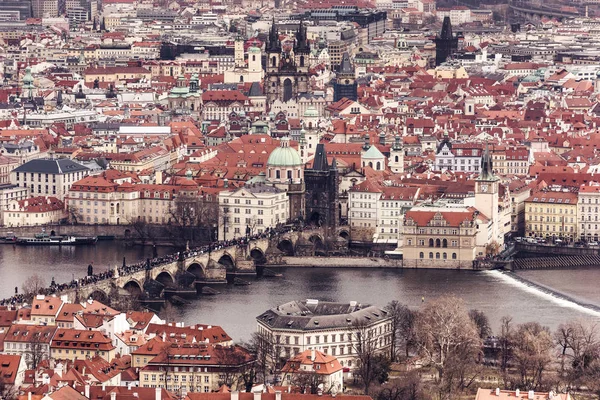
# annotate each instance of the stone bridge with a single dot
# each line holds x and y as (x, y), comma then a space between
(535, 13)
(214, 267)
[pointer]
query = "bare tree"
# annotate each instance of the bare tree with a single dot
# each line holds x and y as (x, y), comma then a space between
(532, 347)
(408, 387)
(36, 351)
(580, 346)
(448, 342)
(505, 343)
(481, 322)
(265, 351)
(236, 365)
(371, 364)
(8, 391)
(75, 215)
(33, 285)
(402, 321)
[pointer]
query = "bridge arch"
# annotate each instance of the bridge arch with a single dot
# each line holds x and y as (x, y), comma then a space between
(165, 278)
(344, 234)
(196, 269)
(286, 247)
(258, 255)
(133, 287)
(227, 260)
(99, 295)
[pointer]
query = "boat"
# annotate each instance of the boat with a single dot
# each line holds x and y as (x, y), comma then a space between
(209, 291)
(269, 273)
(240, 282)
(43, 239)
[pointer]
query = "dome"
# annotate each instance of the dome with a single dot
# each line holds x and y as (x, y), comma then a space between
(311, 111)
(253, 49)
(284, 155)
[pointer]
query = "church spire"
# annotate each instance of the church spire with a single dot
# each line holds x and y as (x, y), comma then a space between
(273, 45)
(487, 171)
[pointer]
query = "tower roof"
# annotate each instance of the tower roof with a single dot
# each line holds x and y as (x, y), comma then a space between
(346, 65)
(273, 44)
(284, 155)
(320, 161)
(487, 172)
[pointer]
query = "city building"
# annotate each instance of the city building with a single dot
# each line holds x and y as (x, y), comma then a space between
(251, 209)
(48, 177)
(325, 366)
(554, 215)
(20, 339)
(73, 344)
(345, 81)
(587, 216)
(328, 327)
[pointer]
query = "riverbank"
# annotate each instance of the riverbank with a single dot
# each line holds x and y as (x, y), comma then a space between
(338, 262)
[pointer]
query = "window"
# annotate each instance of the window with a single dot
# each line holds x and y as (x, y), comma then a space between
(454, 256)
(421, 255)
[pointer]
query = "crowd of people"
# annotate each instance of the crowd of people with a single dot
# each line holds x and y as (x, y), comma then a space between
(93, 278)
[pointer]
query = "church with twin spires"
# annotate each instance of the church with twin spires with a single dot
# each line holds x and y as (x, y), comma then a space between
(287, 70)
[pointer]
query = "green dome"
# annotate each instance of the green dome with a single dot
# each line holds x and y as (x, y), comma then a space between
(28, 78)
(311, 111)
(253, 49)
(284, 156)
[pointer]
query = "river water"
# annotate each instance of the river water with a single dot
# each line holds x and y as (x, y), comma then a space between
(236, 307)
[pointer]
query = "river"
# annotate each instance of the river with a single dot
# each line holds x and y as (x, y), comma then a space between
(236, 307)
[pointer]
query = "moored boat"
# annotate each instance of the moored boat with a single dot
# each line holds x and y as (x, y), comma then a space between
(43, 239)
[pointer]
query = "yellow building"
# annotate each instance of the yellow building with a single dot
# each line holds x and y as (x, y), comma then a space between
(440, 238)
(73, 344)
(551, 214)
(114, 74)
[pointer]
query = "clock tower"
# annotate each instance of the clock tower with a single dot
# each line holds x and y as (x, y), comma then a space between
(486, 193)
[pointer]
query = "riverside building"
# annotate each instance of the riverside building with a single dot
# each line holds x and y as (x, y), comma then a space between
(328, 327)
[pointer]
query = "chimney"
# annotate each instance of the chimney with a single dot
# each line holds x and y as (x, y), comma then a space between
(104, 387)
(517, 393)
(497, 391)
(28, 395)
(113, 395)
(257, 395)
(157, 394)
(87, 391)
(312, 355)
(235, 395)
(278, 395)
(531, 395)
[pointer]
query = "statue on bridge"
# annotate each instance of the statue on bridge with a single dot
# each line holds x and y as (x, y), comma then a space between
(90, 271)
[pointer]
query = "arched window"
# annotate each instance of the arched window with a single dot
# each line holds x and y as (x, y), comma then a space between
(378, 165)
(430, 242)
(445, 255)
(273, 61)
(445, 243)
(253, 57)
(421, 255)
(370, 164)
(431, 255)
(289, 174)
(277, 174)
(454, 256)
(437, 256)
(241, 78)
(396, 159)
(437, 243)
(302, 61)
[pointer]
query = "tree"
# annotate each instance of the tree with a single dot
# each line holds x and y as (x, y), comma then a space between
(505, 343)
(75, 214)
(578, 341)
(406, 388)
(8, 391)
(33, 285)
(371, 364)
(402, 328)
(449, 342)
(36, 351)
(532, 347)
(481, 322)
(265, 351)
(237, 366)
